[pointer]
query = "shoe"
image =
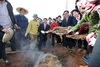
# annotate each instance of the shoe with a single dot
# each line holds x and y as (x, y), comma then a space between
(87, 57)
(7, 62)
(11, 52)
(83, 66)
(87, 61)
(1, 60)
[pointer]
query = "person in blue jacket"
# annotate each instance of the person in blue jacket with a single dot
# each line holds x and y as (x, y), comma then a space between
(22, 23)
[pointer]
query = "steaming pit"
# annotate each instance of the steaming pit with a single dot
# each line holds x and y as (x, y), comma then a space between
(58, 54)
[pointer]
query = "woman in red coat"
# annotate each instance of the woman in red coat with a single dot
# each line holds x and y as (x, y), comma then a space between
(52, 26)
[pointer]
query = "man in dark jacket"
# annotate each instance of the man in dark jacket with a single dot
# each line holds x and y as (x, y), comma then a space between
(22, 22)
(68, 21)
(6, 21)
(42, 35)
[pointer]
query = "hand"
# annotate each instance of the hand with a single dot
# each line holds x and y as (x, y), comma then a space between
(25, 34)
(46, 31)
(55, 28)
(76, 33)
(43, 32)
(6, 30)
(69, 31)
(16, 26)
(92, 41)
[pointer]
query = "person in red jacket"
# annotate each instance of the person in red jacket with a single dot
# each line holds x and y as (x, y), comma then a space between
(84, 28)
(52, 26)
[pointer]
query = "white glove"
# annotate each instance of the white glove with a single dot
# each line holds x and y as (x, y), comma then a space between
(25, 34)
(76, 33)
(92, 41)
(69, 27)
(98, 10)
(89, 36)
(47, 32)
(99, 23)
(43, 32)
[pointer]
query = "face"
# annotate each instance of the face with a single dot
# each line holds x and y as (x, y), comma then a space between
(45, 20)
(39, 20)
(50, 20)
(82, 10)
(53, 21)
(66, 14)
(75, 14)
(22, 11)
(81, 6)
(35, 17)
(59, 18)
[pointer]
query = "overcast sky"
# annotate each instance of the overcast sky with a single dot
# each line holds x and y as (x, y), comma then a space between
(44, 8)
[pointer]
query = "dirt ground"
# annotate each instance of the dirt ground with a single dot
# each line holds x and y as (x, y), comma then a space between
(68, 57)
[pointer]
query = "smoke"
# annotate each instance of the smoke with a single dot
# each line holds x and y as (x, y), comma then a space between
(34, 45)
(35, 58)
(40, 59)
(32, 57)
(31, 53)
(29, 46)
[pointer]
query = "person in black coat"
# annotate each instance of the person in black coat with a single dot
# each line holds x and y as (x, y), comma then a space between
(7, 21)
(68, 21)
(42, 35)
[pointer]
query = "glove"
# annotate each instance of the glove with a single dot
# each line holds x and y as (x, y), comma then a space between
(76, 33)
(47, 32)
(43, 32)
(89, 36)
(98, 10)
(25, 34)
(69, 27)
(92, 41)
(99, 23)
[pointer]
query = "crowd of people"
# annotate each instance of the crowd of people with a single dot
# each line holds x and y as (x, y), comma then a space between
(84, 19)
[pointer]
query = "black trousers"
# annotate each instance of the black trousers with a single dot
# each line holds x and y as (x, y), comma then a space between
(13, 43)
(82, 42)
(2, 47)
(68, 42)
(2, 51)
(53, 39)
(42, 41)
(58, 39)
